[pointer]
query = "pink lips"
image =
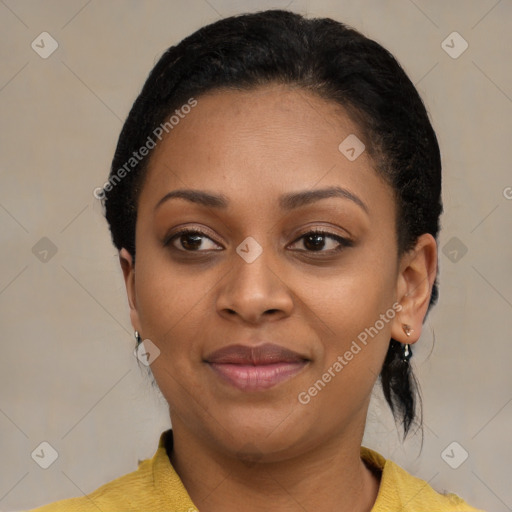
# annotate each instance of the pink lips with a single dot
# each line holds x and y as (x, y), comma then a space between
(256, 368)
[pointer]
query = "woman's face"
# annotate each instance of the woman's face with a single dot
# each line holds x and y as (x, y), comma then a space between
(259, 325)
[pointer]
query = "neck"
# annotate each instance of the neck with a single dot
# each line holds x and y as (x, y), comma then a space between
(329, 477)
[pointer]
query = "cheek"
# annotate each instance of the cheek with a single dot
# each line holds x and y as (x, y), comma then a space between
(356, 312)
(169, 304)
(354, 340)
(352, 299)
(172, 315)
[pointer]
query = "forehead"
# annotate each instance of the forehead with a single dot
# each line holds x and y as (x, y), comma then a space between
(263, 141)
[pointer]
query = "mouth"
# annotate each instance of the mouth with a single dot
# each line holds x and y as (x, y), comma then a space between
(256, 368)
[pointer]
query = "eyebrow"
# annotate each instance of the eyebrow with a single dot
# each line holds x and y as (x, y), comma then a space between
(289, 201)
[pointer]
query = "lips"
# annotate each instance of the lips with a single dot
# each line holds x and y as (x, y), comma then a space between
(256, 368)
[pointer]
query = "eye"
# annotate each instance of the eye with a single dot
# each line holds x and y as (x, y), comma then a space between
(315, 241)
(193, 240)
(190, 240)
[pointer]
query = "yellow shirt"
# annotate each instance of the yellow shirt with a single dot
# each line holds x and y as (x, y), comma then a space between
(156, 487)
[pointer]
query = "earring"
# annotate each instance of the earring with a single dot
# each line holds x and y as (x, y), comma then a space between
(138, 339)
(407, 354)
(407, 329)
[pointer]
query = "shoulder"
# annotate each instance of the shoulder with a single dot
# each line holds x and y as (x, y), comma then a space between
(154, 486)
(115, 495)
(399, 490)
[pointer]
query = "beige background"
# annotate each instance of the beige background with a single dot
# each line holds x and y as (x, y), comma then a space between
(67, 372)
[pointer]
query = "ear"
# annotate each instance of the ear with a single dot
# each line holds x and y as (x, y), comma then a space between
(128, 267)
(416, 277)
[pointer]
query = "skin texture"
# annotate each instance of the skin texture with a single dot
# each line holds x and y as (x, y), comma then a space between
(263, 450)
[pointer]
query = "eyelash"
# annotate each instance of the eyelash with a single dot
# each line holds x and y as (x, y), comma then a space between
(344, 242)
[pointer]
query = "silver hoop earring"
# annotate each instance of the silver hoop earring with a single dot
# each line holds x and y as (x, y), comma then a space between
(138, 339)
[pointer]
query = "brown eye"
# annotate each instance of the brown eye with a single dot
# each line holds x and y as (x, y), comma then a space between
(190, 240)
(317, 241)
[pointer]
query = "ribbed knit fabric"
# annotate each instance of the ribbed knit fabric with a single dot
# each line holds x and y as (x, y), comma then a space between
(156, 487)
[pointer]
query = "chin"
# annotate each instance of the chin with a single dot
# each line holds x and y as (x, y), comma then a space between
(256, 435)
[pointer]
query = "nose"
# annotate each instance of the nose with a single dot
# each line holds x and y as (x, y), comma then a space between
(254, 292)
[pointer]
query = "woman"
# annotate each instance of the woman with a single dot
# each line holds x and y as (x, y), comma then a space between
(275, 199)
